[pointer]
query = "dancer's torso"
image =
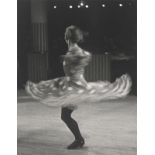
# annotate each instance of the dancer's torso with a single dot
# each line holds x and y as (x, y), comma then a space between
(75, 62)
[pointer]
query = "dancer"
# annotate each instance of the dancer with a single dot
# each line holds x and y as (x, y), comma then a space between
(72, 90)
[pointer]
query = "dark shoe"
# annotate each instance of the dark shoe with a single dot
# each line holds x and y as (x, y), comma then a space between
(76, 144)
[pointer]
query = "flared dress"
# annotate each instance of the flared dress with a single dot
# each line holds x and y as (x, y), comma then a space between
(72, 89)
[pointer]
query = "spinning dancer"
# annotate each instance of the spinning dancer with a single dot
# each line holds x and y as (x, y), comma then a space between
(72, 90)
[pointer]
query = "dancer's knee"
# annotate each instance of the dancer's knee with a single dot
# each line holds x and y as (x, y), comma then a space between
(65, 114)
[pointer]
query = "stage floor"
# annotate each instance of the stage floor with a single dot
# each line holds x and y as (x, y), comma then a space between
(109, 128)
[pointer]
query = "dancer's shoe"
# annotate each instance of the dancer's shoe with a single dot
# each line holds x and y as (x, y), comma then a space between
(77, 144)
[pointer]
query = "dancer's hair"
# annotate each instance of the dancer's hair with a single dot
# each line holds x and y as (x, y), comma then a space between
(74, 34)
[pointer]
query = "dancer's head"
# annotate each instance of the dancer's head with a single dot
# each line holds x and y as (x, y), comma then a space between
(73, 34)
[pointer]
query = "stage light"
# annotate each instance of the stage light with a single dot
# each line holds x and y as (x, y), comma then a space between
(78, 6)
(70, 6)
(87, 6)
(54, 6)
(103, 5)
(120, 5)
(82, 4)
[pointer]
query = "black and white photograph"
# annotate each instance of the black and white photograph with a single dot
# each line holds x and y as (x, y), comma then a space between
(77, 77)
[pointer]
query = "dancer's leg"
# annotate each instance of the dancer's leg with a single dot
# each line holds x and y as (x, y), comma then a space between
(73, 126)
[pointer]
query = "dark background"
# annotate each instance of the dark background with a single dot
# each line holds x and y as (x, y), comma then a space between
(112, 29)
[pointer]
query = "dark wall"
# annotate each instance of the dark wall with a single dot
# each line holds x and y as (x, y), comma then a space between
(23, 39)
(109, 28)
